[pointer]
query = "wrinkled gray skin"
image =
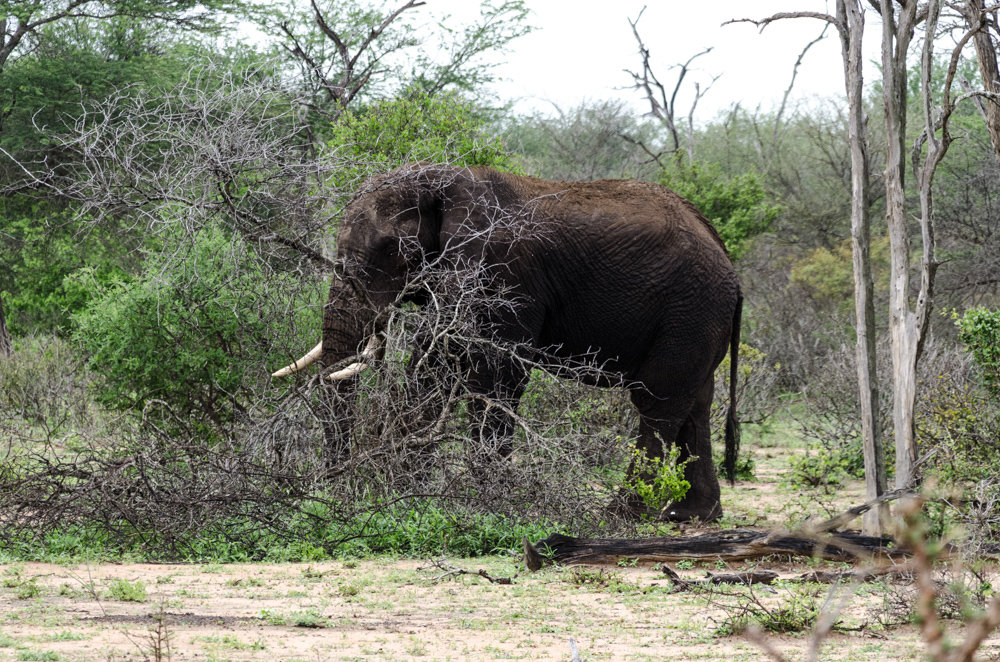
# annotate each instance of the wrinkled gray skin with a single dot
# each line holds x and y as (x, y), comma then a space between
(627, 269)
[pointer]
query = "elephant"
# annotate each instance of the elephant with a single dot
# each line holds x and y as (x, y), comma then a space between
(624, 272)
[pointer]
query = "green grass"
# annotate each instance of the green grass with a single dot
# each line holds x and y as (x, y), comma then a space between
(126, 591)
(409, 528)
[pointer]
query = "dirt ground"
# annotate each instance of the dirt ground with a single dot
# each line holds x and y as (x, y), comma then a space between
(393, 609)
(386, 609)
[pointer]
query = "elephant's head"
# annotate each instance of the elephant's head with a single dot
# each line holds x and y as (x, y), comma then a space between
(391, 230)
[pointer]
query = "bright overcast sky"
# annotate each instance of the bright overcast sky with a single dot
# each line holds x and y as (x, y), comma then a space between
(582, 46)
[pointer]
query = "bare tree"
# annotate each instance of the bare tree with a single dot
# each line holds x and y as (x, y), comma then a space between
(356, 52)
(663, 105)
(849, 21)
(908, 326)
(350, 72)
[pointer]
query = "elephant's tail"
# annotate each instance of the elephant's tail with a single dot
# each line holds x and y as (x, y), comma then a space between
(733, 425)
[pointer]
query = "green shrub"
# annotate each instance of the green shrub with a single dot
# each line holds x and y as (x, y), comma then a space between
(737, 206)
(416, 126)
(979, 329)
(125, 591)
(959, 430)
(658, 480)
(193, 334)
(44, 384)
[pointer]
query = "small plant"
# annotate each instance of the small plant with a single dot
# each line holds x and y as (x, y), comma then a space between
(626, 562)
(125, 591)
(273, 617)
(684, 564)
(66, 635)
(28, 589)
(38, 655)
(159, 636)
(348, 590)
(658, 481)
(310, 618)
(795, 612)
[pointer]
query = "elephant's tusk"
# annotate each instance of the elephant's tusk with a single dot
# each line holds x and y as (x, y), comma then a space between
(304, 362)
(348, 372)
(370, 351)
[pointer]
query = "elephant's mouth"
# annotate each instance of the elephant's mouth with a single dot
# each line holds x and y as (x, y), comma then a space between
(370, 352)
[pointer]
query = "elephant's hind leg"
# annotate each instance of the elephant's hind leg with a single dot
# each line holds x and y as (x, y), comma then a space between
(703, 499)
(683, 421)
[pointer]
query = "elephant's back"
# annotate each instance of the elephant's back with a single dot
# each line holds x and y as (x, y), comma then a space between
(628, 206)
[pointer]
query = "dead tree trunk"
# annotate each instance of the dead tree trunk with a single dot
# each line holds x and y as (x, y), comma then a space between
(909, 326)
(850, 23)
(897, 32)
(851, 15)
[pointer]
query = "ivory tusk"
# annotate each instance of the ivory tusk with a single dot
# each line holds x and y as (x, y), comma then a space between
(304, 362)
(371, 349)
(348, 372)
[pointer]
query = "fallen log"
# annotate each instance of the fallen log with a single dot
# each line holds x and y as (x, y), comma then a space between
(733, 545)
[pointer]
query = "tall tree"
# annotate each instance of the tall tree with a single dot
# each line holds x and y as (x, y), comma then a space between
(345, 50)
(850, 23)
(986, 55)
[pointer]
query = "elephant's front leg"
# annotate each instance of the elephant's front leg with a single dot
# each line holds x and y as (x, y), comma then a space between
(337, 419)
(500, 383)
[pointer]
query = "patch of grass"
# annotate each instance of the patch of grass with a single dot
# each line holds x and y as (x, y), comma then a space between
(233, 643)
(28, 589)
(125, 591)
(273, 617)
(408, 527)
(310, 618)
(38, 655)
(66, 635)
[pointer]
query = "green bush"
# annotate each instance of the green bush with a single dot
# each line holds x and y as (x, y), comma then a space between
(125, 591)
(192, 333)
(979, 329)
(737, 206)
(658, 480)
(445, 128)
(43, 383)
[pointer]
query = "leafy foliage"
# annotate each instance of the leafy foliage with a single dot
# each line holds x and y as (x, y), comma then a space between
(190, 336)
(979, 329)
(737, 205)
(658, 480)
(417, 126)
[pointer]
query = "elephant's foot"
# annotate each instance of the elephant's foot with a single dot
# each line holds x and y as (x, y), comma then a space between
(686, 513)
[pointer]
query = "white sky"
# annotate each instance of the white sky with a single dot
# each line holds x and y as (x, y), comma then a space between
(582, 46)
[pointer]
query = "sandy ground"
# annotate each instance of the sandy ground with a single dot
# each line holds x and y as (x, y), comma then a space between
(390, 609)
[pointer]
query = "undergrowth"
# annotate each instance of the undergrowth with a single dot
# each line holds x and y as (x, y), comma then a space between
(412, 527)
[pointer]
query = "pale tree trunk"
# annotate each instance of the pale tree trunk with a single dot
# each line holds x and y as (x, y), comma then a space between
(6, 347)
(851, 15)
(850, 24)
(986, 55)
(896, 35)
